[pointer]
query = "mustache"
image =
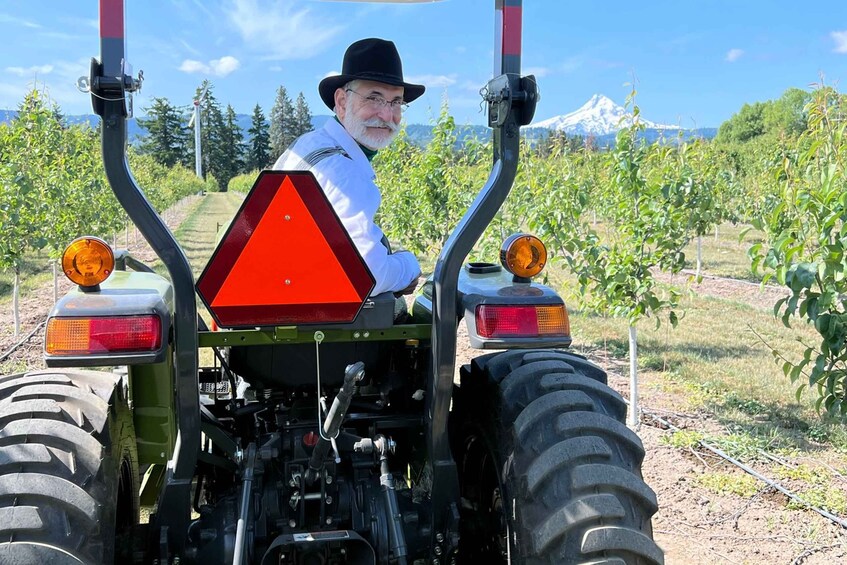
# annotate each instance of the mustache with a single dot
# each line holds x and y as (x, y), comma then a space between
(378, 123)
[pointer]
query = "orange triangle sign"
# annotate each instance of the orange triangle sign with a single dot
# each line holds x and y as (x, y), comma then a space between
(285, 259)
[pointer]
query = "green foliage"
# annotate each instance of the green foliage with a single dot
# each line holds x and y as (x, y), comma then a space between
(243, 183)
(302, 116)
(231, 151)
(785, 116)
(53, 187)
(829, 498)
(558, 143)
(167, 134)
(258, 154)
(745, 125)
(165, 186)
(683, 439)
(425, 192)
(804, 473)
(805, 249)
(282, 123)
(51, 183)
(739, 484)
(644, 202)
(706, 190)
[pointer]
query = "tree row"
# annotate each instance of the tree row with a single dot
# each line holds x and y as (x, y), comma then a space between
(226, 149)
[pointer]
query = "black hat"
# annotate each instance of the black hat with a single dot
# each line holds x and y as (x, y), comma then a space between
(369, 59)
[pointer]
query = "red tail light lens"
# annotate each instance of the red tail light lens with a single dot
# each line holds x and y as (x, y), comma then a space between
(122, 334)
(497, 321)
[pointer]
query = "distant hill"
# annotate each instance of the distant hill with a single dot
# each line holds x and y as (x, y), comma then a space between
(650, 135)
(421, 134)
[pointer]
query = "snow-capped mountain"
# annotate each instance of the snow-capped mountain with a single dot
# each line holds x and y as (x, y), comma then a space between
(598, 116)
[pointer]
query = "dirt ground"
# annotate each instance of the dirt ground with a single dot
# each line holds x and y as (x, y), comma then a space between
(693, 525)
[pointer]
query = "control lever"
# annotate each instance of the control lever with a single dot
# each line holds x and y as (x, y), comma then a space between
(335, 416)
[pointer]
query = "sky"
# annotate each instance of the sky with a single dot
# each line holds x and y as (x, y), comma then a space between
(693, 64)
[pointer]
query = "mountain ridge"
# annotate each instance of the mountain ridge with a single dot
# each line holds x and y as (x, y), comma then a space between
(598, 116)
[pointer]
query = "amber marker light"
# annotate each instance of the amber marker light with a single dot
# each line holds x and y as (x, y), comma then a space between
(88, 261)
(523, 255)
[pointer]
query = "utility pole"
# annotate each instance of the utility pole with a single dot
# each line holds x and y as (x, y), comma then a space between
(195, 120)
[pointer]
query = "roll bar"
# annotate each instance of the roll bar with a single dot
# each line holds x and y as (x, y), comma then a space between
(511, 103)
(111, 87)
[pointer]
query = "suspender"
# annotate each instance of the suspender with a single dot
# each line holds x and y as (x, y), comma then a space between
(319, 155)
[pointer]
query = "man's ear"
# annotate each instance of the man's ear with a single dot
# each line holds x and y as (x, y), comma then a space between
(340, 103)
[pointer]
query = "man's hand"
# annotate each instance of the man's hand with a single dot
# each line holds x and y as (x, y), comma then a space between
(409, 289)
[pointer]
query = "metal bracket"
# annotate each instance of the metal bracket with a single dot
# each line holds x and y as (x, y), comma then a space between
(507, 93)
(107, 88)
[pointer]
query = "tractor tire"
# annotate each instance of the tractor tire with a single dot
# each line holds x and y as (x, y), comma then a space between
(548, 472)
(68, 468)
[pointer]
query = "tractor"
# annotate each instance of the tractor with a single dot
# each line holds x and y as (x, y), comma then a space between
(325, 430)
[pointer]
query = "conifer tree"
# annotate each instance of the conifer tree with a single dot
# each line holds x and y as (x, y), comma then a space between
(231, 149)
(282, 123)
(302, 116)
(211, 124)
(259, 151)
(167, 134)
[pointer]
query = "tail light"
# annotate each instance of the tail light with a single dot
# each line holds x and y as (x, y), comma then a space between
(120, 334)
(503, 320)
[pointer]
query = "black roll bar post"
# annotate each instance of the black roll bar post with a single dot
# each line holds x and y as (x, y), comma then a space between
(511, 103)
(111, 87)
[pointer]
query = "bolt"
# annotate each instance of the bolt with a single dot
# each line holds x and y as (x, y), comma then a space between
(366, 334)
(436, 561)
(439, 537)
(287, 281)
(356, 335)
(292, 523)
(329, 521)
(287, 217)
(437, 550)
(328, 500)
(329, 479)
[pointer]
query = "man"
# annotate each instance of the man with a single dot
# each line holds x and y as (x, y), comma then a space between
(368, 99)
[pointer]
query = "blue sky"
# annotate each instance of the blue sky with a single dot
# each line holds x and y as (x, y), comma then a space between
(695, 63)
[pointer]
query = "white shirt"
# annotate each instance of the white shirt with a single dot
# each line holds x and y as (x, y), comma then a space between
(348, 183)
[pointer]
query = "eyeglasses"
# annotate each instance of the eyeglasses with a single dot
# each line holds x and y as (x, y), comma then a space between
(377, 102)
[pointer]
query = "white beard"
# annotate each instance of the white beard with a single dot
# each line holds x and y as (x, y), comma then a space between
(358, 129)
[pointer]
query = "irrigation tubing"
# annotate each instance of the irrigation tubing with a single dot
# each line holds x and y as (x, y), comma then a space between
(749, 470)
(8, 353)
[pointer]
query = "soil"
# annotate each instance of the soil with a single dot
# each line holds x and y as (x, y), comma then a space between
(693, 525)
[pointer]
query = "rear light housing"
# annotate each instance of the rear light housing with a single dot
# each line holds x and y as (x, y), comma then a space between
(505, 321)
(78, 336)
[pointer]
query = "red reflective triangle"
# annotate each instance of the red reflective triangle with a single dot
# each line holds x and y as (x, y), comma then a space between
(285, 259)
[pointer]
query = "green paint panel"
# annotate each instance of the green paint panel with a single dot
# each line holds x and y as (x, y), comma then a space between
(293, 334)
(154, 413)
